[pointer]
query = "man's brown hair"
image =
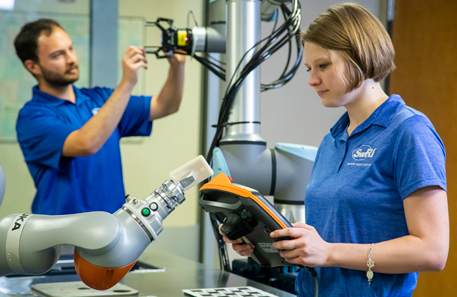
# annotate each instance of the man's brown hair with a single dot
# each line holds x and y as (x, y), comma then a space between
(26, 41)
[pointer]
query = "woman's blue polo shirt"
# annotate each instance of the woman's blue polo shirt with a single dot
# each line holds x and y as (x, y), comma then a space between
(68, 185)
(357, 190)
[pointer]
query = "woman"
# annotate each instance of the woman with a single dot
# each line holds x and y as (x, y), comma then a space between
(376, 205)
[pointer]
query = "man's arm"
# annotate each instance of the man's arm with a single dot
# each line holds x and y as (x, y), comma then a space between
(169, 98)
(93, 135)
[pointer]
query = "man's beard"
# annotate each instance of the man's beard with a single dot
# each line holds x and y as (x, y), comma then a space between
(57, 79)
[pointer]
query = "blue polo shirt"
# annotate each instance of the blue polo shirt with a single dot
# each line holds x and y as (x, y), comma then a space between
(357, 189)
(68, 185)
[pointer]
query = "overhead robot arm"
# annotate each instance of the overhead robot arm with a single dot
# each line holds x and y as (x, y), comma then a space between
(106, 245)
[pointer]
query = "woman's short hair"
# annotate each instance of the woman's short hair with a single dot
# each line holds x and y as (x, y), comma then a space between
(359, 36)
(26, 41)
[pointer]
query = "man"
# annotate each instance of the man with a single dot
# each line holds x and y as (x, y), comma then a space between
(69, 136)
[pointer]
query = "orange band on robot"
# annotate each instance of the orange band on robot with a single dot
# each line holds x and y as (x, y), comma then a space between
(99, 278)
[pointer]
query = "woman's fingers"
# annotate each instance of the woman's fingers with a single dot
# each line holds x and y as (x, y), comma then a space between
(244, 249)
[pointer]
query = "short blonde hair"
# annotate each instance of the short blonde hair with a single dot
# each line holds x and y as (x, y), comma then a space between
(359, 37)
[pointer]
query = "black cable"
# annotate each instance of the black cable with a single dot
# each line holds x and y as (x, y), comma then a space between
(287, 77)
(222, 248)
(193, 16)
(219, 61)
(211, 63)
(284, 78)
(210, 67)
(289, 21)
(249, 67)
(275, 48)
(254, 62)
(289, 52)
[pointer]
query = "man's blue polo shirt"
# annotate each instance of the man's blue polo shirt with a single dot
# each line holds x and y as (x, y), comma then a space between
(357, 190)
(68, 185)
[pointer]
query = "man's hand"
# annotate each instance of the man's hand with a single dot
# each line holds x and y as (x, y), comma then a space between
(177, 59)
(92, 136)
(134, 58)
(238, 245)
(306, 248)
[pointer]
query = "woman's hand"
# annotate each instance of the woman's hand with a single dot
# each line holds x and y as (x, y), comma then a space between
(306, 248)
(238, 245)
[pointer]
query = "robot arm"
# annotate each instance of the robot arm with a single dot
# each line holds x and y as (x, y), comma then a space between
(213, 38)
(106, 245)
(31, 243)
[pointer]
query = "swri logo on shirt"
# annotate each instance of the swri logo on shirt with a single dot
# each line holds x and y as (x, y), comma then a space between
(363, 152)
(95, 110)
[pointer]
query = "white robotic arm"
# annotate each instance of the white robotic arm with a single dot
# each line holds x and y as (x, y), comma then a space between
(106, 245)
